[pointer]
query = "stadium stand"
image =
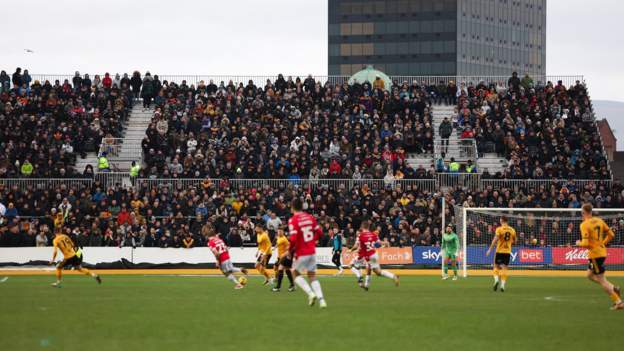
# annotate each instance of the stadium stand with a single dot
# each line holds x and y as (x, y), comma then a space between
(344, 149)
(546, 132)
(407, 213)
(45, 126)
(287, 129)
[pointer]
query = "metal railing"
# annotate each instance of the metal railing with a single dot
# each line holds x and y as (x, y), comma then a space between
(111, 179)
(602, 143)
(536, 184)
(427, 185)
(194, 79)
(471, 181)
(122, 149)
(460, 149)
(468, 181)
(46, 183)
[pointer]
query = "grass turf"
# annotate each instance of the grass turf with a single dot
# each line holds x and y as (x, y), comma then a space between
(205, 313)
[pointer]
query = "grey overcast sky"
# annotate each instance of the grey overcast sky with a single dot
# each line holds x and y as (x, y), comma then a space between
(256, 37)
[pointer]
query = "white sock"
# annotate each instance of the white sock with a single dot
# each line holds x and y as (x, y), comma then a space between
(303, 284)
(503, 283)
(357, 272)
(236, 270)
(367, 280)
(387, 274)
(316, 286)
(495, 279)
(232, 277)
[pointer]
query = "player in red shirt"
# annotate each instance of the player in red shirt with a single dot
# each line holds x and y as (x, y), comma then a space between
(304, 233)
(367, 244)
(220, 251)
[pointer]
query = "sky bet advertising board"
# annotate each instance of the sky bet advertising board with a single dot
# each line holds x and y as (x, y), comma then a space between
(476, 255)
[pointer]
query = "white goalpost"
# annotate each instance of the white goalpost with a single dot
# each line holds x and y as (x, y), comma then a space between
(546, 237)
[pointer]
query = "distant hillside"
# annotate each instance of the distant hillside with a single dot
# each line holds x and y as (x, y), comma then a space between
(613, 111)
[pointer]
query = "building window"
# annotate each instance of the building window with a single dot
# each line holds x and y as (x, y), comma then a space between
(380, 28)
(345, 29)
(380, 7)
(356, 49)
(356, 29)
(345, 8)
(345, 50)
(402, 6)
(345, 70)
(356, 67)
(356, 8)
(380, 48)
(367, 8)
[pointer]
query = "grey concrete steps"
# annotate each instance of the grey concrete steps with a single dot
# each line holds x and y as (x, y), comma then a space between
(134, 132)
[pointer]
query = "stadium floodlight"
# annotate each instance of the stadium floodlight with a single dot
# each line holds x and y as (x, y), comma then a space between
(546, 237)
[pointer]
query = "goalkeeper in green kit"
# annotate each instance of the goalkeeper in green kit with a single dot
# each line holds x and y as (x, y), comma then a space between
(450, 249)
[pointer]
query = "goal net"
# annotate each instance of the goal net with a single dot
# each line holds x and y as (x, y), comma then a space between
(546, 237)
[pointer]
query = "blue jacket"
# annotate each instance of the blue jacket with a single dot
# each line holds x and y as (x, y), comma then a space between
(337, 242)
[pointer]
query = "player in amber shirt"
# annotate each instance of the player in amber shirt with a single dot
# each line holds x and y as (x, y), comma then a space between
(595, 235)
(71, 257)
(505, 237)
(284, 261)
(264, 253)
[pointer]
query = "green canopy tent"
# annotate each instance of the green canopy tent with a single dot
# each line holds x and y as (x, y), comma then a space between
(369, 74)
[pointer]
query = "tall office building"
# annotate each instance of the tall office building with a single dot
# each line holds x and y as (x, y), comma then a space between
(438, 37)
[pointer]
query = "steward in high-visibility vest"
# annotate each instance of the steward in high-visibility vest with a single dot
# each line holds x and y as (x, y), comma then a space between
(454, 166)
(103, 163)
(470, 168)
(134, 170)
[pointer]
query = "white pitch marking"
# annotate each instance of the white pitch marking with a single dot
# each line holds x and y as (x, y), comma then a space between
(4, 279)
(552, 298)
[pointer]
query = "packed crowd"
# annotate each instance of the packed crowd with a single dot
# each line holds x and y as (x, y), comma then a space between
(167, 217)
(44, 126)
(546, 132)
(547, 228)
(288, 129)
(170, 216)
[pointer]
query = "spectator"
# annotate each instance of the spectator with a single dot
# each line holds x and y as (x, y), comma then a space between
(11, 211)
(26, 79)
(514, 82)
(135, 83)
(5, 82)
(103, 165)
(42, 239)
(107, 82)
(26, 169)
(445, 130)
(379, 83)
(147, 93)
(470, 168)
(454, 166)
(16, 79)
(526, 82)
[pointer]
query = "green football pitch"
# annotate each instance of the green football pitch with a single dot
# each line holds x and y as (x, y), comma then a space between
(205, 313)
